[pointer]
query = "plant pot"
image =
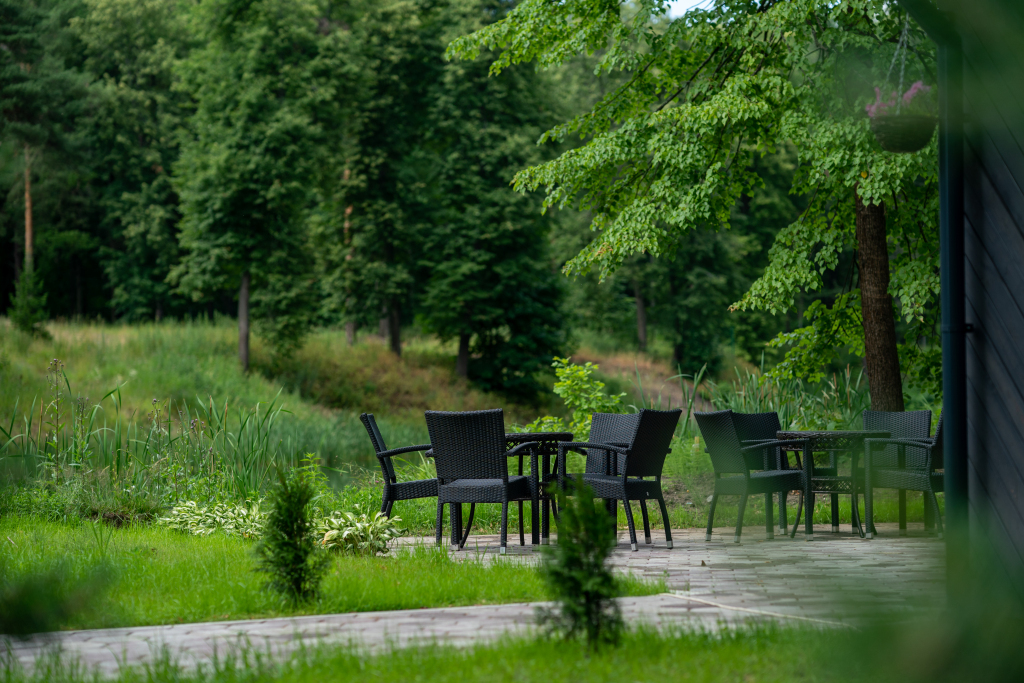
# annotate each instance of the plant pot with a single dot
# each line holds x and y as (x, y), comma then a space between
(903, 133)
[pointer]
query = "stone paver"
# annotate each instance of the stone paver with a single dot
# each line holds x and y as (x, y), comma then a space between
(836, 579)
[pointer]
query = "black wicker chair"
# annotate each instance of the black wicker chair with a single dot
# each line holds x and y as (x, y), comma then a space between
(907, 465)
(471, 461)
(625, 464)
(752, 427)
(914, 425)
(394, 489)
(732, 468)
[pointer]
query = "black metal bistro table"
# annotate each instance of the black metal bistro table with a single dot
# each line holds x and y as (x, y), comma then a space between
(547, 446)
(827, 480)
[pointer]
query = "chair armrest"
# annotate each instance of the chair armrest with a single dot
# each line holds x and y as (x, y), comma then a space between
(512, 452)
(579, 445)
(915, 443)
(565, 445)
(405, 449)
(773, 443)
(924, 444)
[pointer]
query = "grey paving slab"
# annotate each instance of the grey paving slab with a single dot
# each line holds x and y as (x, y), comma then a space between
(833, 580)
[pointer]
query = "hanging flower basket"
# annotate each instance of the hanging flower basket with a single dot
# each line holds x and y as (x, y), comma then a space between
(903, 132)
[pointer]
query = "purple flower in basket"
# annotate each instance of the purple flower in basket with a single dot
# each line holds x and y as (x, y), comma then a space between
(881, 107)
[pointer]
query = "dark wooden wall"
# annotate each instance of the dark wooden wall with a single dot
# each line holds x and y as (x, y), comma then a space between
(993, 39)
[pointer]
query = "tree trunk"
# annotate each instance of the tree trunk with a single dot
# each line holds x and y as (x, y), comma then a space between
(395, 328)
(880, 353)
(78, 292)
(243, 322)
(641, 317)
(382, 327)
(350, 333)
(29, 250)
(462, 360)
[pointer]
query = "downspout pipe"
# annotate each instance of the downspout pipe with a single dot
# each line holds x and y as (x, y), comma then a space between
(939, 27)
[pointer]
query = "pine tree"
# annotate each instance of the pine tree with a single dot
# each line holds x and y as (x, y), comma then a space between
(247, 165)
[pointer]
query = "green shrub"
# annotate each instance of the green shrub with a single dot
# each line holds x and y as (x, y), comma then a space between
(288, 551)
(577, 575)
(359, 534)
(583, 394)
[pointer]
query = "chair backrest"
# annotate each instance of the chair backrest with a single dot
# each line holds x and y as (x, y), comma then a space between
(760, 427)
(913, 424)
(651, 442)
(722, 442)
(387, 468)
(609, 428)
(468, 445)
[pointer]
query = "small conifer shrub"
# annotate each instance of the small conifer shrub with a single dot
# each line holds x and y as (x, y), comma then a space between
(288, 552)
(576, 573)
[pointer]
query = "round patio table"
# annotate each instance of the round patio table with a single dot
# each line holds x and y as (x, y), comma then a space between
(827, 480)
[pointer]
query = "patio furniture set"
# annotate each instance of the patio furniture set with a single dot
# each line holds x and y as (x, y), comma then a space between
(625, 456)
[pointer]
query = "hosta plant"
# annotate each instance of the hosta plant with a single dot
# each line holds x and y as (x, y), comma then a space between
(246, 519)
(358, 533)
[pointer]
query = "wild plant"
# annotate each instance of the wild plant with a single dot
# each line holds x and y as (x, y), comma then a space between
(288, 552)
(577, 575)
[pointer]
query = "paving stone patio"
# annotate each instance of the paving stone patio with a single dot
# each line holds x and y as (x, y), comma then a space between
(836, 580)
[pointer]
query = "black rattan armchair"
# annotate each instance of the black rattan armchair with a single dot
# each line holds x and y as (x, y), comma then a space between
(471, 461)
(907, 465)
(764, 427)
(914, 425)
(626, 465)
(394, 489)
(732, 469)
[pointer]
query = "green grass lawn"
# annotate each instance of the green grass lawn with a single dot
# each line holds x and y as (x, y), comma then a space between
(159, 576)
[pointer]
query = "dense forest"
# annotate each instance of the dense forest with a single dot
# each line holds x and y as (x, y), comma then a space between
(315, 163)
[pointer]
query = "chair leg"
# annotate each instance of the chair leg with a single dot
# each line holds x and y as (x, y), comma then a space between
(384, 504)
(647, 521)
(664, 519)
(835, 513)
(545, 521)
(455, 515)
(629, 522)
(903, 512)
(391, 505)
(783, 522)
(469, 525)
(769, 519)
(711, 516)
(739, 520)
(930, 497)
(504, 526)
(929, 522)
(440, 519)
(796, 520)
(809, 516)
(522, 536)
(535, 521)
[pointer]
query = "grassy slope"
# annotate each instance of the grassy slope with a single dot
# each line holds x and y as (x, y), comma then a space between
(162, 576)
(325, 386)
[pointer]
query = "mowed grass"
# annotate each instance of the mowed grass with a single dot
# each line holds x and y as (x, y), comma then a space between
(158, 576)
(762, 656)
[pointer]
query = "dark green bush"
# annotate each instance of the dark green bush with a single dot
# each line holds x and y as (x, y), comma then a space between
(577, 575)
(288, 552)
(45, 599)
